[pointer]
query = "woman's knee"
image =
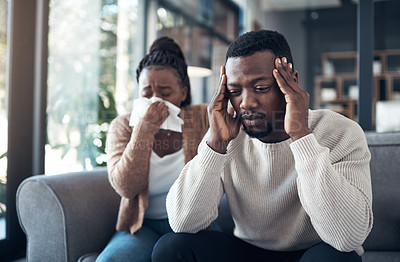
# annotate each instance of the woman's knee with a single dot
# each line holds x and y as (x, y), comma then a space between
(125, 247)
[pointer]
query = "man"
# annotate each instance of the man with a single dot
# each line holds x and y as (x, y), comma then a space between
(297, 180)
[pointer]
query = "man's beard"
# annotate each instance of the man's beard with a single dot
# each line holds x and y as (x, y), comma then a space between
(258, 134)
(261, 133)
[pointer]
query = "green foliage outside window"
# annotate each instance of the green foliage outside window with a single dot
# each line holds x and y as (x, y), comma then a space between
(84, 110)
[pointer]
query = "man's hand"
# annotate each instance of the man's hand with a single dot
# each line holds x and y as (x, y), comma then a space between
(297, 100)
(224, 126)
(156, 113)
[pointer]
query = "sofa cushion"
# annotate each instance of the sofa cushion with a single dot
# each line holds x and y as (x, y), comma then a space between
(385, 175)
(381, 256)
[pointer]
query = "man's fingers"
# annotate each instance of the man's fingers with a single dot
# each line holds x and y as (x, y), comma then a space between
(284, 87)
(281, 76)
(284, 77)
(284, 69)
(220, 100)
(221, 83)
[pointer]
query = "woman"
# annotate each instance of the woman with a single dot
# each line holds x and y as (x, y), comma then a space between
(144, 159)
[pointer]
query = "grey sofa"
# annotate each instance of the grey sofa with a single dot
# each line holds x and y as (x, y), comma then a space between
(71, 217)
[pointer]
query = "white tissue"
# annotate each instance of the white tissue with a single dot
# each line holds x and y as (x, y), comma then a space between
(140, 106)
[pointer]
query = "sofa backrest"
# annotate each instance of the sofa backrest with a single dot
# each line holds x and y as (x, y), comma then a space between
(385, 175)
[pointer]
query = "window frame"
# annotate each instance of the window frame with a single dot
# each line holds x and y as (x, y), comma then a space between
(21, 64)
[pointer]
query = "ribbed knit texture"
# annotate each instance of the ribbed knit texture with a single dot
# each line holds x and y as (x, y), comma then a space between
(283, 196)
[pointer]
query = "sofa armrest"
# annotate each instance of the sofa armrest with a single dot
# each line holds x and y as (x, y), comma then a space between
(68, 215)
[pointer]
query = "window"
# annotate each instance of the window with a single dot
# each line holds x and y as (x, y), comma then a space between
(3, 116)
(226, 20)
(203, 30)
(386, 67)
(326, 49)
(91, 78)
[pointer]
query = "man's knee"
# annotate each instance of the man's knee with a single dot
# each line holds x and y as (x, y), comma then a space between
(172, 247)
(325, 252)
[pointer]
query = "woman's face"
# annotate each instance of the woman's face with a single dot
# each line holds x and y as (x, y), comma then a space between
(162, 82)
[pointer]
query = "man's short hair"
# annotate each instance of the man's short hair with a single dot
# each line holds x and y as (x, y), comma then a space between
(260, 41)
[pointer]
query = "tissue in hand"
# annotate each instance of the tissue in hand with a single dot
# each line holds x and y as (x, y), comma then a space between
(140, 106)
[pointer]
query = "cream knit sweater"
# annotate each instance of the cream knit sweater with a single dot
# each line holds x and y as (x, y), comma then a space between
(283, 196)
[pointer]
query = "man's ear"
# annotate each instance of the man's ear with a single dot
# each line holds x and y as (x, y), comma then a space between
(295, 76)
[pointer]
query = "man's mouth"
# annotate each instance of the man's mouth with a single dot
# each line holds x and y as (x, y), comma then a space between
(252, 119)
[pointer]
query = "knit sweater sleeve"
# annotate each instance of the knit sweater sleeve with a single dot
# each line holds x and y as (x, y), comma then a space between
(128, 153)
(334, 187)
(192, 201)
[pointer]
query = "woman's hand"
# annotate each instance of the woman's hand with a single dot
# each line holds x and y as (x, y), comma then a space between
(224, 126)
(297, 100)
(156, 113)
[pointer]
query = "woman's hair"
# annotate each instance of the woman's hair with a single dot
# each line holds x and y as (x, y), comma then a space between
(166, 52)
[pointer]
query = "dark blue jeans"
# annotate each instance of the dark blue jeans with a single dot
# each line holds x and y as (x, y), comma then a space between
(125, 247)
(210, 246)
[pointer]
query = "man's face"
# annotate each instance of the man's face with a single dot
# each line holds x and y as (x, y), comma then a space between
(256, 96)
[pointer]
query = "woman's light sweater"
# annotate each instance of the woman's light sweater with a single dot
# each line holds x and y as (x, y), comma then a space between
(283, 196)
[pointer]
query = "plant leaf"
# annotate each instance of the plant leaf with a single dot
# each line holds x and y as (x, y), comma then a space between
(58, 146)
(3, 155)
(66, 149)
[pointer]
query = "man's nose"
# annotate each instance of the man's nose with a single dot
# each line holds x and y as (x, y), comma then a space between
(249, 100)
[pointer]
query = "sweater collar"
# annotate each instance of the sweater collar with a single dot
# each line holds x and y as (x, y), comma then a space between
(279, 146)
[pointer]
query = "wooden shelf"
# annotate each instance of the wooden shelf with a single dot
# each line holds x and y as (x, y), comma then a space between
(337, 88)
(346, 107)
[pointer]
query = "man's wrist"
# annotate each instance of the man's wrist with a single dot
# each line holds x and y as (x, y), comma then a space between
(299, 135)
(218, 146)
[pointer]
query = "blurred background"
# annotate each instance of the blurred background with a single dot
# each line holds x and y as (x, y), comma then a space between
(67, 68)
